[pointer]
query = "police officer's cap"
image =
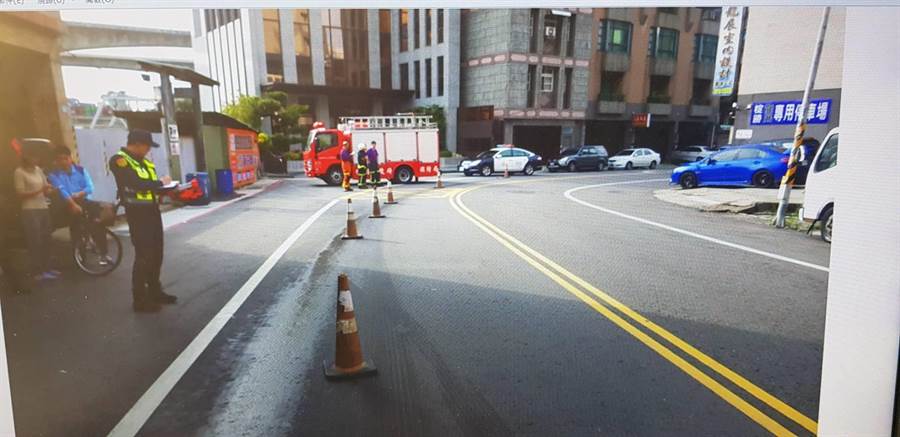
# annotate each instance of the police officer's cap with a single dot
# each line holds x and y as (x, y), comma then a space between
(140, 136)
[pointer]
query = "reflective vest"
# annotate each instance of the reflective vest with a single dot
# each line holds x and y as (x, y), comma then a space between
(148, 174)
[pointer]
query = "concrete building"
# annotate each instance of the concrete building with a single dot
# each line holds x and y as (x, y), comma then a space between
(340, 62)
(545, 78)
(524, 79)
(778, 49)
(657, 61)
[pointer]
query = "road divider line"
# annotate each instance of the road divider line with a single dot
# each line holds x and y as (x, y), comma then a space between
(135, 418)
(568, 195)
(508, 241)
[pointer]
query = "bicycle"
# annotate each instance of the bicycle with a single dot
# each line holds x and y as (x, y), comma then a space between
(88, 255)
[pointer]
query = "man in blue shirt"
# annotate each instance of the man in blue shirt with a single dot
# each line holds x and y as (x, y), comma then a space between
(75, 190)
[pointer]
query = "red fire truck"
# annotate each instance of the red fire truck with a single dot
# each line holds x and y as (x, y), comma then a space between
(407, 147)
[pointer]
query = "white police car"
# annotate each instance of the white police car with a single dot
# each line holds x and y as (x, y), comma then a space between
(504, 157)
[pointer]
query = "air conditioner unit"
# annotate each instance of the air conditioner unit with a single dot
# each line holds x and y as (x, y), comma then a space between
(550, 31)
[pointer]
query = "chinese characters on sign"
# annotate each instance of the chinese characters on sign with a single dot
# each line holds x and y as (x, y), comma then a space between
(640, 119)
(727, 50)
(788, 112)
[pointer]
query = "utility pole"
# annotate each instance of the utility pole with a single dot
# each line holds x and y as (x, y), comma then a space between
(787, 182)
(171, 140)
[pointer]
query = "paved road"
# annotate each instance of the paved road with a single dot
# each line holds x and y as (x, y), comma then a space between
(492, 307)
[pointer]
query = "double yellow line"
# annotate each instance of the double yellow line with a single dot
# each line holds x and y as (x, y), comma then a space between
(629, 320)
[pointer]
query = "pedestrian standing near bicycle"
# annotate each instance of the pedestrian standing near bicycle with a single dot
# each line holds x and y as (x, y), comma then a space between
(76, 189)
(138, 189)
(32, 187)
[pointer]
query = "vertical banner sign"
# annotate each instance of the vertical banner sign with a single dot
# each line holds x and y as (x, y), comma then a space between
(727, 50)
(174, 145)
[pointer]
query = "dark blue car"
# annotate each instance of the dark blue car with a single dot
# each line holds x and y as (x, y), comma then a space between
(757, 165)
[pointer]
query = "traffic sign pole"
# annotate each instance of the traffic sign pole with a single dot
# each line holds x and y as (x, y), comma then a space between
(787, 182)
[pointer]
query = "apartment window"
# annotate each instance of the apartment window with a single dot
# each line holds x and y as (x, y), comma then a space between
(710, 14)
(302, 52)
(663, 43)
(427, 27)
(549, 88)
(272, 42)
(417, 72)
(614, 36)
(440, 76)
(659, 89)
(440, 26)
(532, 80)
(700, 94)
(428, 77)
(345, 44)
(567, 93)
(404, 76)
(534, 30)
(404, 30)
(416, 23)
(552, 27)
(673, 11)
(611, 86)
(705, 48)
(384, 45)
(570, 44)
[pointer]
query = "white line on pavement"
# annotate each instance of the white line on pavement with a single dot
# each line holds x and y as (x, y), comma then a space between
(568, 195)
(7, 427)
(132, 422)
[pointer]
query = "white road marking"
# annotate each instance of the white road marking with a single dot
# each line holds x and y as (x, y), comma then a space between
(568, 195)
(132, 422)
(7, 427)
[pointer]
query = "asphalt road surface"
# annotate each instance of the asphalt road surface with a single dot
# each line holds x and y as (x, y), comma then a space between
(565, 304)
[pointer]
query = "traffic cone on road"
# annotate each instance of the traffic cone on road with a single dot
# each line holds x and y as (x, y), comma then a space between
(348, 357)
(440, 183)
(376, 208)
(390, 196)
(351, 233)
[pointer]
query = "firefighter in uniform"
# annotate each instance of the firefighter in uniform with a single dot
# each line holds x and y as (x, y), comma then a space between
(138, 189)
(346, 165)
(361, 167)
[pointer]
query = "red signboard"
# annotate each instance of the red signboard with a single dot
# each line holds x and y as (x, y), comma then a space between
(641, 119)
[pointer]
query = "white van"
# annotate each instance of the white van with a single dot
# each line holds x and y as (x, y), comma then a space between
(818, 201)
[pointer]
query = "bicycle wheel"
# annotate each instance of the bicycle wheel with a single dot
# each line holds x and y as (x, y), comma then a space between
(89, 258)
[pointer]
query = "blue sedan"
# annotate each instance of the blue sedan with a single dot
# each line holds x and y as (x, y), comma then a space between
(757, 165)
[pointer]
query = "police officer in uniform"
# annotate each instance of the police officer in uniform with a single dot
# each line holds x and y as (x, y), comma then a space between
(138, 188)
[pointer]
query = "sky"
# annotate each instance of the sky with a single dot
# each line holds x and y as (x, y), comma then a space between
(88, 84)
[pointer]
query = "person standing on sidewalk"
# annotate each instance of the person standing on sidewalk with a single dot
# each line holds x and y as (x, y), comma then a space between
(361, 167)
(32, 187)
(75, 189)
(138, 188)
(372, 162)
(346, 165)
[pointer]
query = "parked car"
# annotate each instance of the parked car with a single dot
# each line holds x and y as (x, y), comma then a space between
(691, 154)
(758, 165)
(504, 157)
(818, 200)
(586, 157)
(635, 157)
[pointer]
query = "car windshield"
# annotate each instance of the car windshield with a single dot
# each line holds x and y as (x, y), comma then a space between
(485, 154)
(568, 152)
(626, 152)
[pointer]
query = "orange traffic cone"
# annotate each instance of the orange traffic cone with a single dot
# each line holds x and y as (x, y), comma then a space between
(390, 197)
(348, 357)
(440, 183)
(351, 233)
(376, 208)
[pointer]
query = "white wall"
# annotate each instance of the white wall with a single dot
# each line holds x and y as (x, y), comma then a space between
(862, 318)
(779, 44)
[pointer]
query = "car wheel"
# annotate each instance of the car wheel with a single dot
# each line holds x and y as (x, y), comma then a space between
(601, 166)
(487, 170)
(763, 179)
(688, 181)
(827, 220)
(404, 175)
(652, 165)
(529, 170)
(629, 165)
(334, 176)
(572, 167)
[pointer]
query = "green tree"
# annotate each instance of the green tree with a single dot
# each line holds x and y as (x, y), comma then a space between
(286, 129)
(437, 115)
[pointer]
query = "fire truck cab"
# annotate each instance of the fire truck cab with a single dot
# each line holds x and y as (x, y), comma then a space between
(407, 147)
